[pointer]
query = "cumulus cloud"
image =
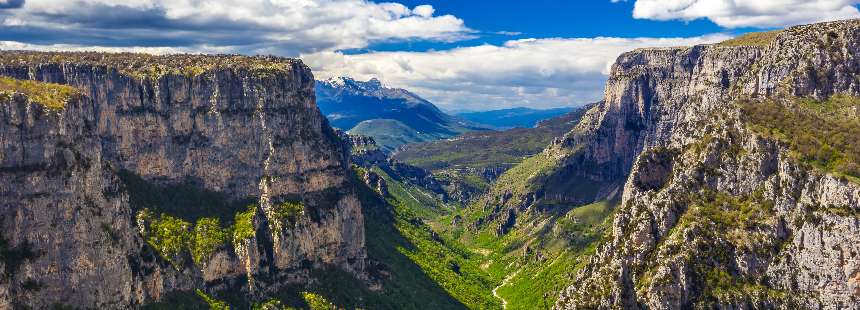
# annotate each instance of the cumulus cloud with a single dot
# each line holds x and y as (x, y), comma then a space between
(748, 13)
(529, 72)
(246, 26)
(424, 10)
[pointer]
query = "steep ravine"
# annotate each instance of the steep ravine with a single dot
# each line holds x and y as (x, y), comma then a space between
(720, 208)
(84, 216)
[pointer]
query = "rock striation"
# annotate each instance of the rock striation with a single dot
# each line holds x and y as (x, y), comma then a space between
(245, 129)
(716, 212)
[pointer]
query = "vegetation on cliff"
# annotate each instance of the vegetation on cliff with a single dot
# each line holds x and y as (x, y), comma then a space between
(174, 238)
(208, 237)
(243, 225)
(198, 299)
(12, 257)
(182, 220)
(288, 212)
(752, 39)
(714, 230)
(824, 134)
(141, 65)
(52, 96)
(171, 237)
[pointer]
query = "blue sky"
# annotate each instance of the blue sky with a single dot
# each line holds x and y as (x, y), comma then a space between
(553, 19)
(460, 54)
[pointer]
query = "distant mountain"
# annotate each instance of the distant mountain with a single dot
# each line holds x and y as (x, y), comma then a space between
(489, 149)
(392, 116)
(472, 161)
(515, 117)
(390, 133)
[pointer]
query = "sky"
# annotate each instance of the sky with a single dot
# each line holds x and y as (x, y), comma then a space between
(459, 54)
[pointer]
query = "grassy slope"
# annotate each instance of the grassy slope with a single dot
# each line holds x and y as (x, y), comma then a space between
(543, 249)
(388, 133)
(752, 39)
(557, 246)
(444, 261)
(460, 160)
(488, 149)
(567, 247)
(548, 243)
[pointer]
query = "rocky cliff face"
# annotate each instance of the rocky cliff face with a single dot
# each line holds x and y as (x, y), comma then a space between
(78, 180)
(719, 211)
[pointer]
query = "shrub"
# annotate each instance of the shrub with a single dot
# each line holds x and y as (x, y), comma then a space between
(289, 212)
(243, 227)
(169, 236)
(317, 302)
(214, 304)
(208, 237)
(13, 257)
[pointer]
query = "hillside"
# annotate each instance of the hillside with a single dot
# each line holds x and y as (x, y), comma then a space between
(480, 150)
(392, 116)
(469, 163)
(734, 170)
(514, 117)
(390, 133)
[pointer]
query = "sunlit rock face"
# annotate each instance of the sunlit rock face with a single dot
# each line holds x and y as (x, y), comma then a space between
(244, 128)
(716, 214)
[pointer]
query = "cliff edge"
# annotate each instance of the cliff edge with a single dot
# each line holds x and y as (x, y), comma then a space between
(126, 177)
(739, 165)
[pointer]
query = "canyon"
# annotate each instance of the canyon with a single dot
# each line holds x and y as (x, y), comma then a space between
(713, 176)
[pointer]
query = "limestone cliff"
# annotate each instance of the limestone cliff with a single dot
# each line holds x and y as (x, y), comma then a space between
(89, 188)
(724, 206)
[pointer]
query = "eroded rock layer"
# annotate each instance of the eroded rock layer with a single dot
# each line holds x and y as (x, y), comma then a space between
(244, 129)
(721, 209)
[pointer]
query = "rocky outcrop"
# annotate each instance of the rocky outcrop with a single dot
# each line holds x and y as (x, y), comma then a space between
(367, 154)
(716, 214)
(244, 128)
(363, 150)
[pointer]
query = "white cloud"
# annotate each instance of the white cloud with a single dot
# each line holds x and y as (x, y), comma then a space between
(424, 10)
(529, 72)
(249, 26)
(13, 45)
(748, 13)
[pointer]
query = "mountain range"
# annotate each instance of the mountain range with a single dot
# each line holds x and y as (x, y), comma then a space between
(514, 117)
(392, 116)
